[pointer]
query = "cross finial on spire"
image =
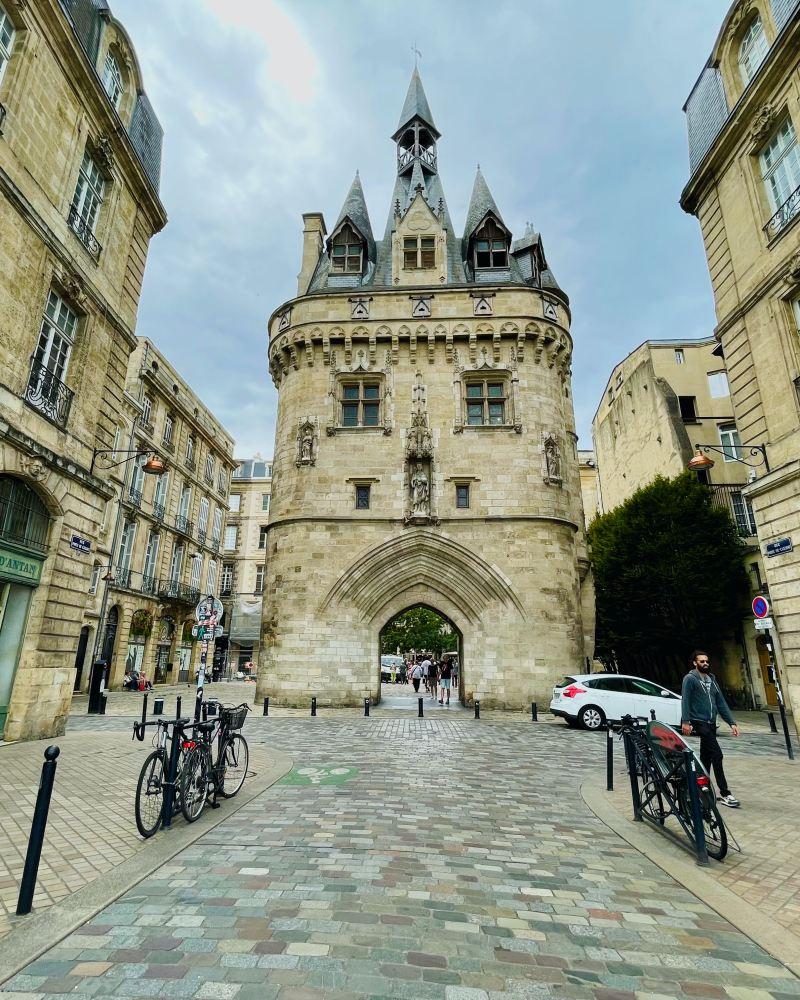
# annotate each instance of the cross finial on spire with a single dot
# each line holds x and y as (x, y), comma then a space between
(417, 55)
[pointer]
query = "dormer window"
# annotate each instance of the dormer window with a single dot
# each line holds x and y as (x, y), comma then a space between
(347, 252)
(419, 253)
(752, 50)
(112, 80)
(491, 246)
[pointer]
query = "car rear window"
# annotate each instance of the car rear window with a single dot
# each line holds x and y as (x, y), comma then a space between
(565, 682)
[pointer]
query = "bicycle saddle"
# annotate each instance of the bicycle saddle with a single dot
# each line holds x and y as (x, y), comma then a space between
(205, 727)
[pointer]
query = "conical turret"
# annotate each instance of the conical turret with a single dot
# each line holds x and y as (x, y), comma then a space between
(480, 203)
(416, 107)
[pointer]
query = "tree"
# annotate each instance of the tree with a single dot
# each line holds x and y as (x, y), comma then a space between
(669, 576)
(418, 628)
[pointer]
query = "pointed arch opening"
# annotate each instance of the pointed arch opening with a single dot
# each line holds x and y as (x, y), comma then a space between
(421, 653)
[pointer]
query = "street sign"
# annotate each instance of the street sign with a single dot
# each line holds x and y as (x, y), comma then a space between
(207, 608)
(762, 624)
(760, 607)
(82, 545)
(778, 548)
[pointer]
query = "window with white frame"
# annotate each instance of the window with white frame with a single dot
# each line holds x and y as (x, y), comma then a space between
(731, 444)
(49, 366)
(265, 501)
(151, 557)
(231, 533)
(137, 477)
(169, 427)
(160, 495)
(210, 468)
(95, 578)
(235, 503)
(222, 483)
(780, 165)
(752, 49)
(796, 311)
(147, 410)
(202, 517)
(215, 534)
(227, 578)
(6, 39)
(189, 450)
(126, 545)
(88, 194)
(743, 515)
(186, 501)
(176, 565)
(262, 536)
(259, 580)
(197, 569)
(211, 577)
(679, 356)
(718, 385)
(112, 80)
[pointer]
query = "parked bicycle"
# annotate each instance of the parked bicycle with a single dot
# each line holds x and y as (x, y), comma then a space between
(155, 794)
(660, 775)
(201, 773)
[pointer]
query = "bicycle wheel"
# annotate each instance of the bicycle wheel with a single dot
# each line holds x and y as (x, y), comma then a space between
(232, 765)
(652, 803)
(194, 785)
(714, 828)
(150, 794)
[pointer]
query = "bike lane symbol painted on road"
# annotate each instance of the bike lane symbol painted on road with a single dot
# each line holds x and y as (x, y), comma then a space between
(319, 775)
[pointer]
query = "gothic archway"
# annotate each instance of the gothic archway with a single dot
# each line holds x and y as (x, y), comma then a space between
(418, 635)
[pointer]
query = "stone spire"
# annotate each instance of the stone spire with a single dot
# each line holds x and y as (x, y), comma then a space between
(416, 107)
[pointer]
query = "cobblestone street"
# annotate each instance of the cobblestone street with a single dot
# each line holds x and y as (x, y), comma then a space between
(416, 859)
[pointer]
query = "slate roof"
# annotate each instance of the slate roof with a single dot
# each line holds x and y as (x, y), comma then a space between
(355, 209)
(416, 106)
(480, 203)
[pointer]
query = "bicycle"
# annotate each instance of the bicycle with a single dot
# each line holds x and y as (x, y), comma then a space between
(151, 800)
(658, 758)
(200, 772)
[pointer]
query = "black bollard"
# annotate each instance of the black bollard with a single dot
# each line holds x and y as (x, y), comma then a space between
(477, 710)
(534, 712)
(787, 738)
(313, 706)
(419, 708)
(772, 727)
(204, 712)
(366, 707)
(158, 706)
(144, 710)
(266, 706)
(610, 759)
(178, 707)
(36, 839)
(103, 700)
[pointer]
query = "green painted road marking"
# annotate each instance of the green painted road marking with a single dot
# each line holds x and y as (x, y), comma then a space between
(319, 775)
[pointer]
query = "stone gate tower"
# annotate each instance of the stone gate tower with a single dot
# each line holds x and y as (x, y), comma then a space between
(425, 447)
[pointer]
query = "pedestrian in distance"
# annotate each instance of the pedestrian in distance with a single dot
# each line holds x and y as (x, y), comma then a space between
(445, 679)
(433, 678)
(416, 676)
(701, 702)
(426, 667)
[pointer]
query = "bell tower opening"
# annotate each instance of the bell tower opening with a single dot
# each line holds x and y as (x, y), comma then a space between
(420, 656)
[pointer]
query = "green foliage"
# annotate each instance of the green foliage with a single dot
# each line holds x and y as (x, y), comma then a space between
(418, 628)
(669, 575)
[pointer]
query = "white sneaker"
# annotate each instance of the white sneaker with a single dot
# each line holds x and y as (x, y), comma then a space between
(728, 800)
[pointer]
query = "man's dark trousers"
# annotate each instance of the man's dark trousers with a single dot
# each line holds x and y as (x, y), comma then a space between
(711, 752)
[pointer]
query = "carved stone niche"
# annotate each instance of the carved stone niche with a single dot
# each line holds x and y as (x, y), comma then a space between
(551, 460)
(307, 442)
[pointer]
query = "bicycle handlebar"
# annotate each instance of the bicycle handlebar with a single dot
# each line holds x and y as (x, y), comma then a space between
(139, 727)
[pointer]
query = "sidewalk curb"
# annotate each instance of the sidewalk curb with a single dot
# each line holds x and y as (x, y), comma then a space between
(775, 940)
(38, 933)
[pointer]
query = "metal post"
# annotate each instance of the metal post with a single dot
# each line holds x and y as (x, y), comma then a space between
(205, 711)
(313, 706)
(144, 709)
(266, 706)
(773, 669)
(201, 679)
(690, 767)
(477, 710)
(158, 706)
(609, 759)
(630, 757)
(36, 839)
(419, 708)
(172, 772)
(534, 712)
(771, 719)
(785, 724)
(178, 707)
(366, 707)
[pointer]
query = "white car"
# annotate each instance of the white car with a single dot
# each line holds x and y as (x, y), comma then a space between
(592, 700)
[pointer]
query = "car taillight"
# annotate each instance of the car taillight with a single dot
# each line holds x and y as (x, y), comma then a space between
(572, 690)
(702, 781)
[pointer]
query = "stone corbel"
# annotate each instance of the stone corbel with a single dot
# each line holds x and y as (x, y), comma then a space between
(348, 349)
(448, 346)
(762, 125)
(473, 346)
(326, 348)
(104, 153)
(395, 348)
(412, 346)
(793, 269)
(309, 350)
(431, 346)
(515, 407)
(373, 347)
(496, 345)
(72, 285)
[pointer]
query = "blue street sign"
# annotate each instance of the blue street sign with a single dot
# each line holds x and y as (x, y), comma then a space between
(82, 545)
(779, 547)
(760, 607)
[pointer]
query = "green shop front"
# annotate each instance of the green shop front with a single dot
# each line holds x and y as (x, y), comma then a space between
(23, 539)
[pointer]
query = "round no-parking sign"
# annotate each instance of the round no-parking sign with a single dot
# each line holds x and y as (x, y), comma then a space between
(760, 607)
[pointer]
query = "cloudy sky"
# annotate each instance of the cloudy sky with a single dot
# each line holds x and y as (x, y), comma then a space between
(572, 108)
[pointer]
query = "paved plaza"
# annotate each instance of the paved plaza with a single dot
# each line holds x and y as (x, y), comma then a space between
(410, 858)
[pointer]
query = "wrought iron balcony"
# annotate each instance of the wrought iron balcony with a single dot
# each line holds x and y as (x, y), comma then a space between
(135, 497)
(83, 231)
(149, 585)
(729, 497)
(167, 445)
(158, 511)
(190, 463)
(122, 577)
(788, 210)
(48, 394)
(182, 523)
(176, 591)
(226, 590)
(208, 479)
(201, 537)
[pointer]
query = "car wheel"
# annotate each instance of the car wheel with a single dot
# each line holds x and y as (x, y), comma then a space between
(591, 717)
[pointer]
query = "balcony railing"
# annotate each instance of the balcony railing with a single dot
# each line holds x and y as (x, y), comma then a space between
(201, 537)
(788, 210)
(176, 591)
(190, 463)
(48, 394)
(182, 523)
(142, 583)
(122, 577)
(729, 497)
(167, 445)
(83, 231)
(158, 511)
(135, 497)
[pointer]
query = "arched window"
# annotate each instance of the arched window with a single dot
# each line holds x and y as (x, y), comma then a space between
(347, 251)
(6, 39)
(23, 516)
(752, 49)
(112, 80)
(491, 246)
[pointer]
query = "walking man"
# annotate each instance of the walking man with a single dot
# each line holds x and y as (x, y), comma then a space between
(701, 701)
(445, 678)
(416, 676)
(426, 669)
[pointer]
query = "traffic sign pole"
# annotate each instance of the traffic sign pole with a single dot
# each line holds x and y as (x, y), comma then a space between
(207, 614)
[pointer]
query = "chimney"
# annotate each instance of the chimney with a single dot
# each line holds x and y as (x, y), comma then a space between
(313, 241)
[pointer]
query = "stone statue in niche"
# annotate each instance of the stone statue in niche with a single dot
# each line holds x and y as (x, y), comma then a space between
(420, 492)
(306, 443)
(552, 460)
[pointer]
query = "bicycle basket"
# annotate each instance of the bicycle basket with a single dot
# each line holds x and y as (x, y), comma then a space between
(233, 718)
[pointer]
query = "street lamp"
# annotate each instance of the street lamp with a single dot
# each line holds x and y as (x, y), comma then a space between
(701, 462)
(154, 466)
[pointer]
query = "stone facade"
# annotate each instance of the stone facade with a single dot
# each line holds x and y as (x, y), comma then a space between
(745, 192)
(79, 150)
(662, 400)
(425, 449)
(245, 555)
(163, 544)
